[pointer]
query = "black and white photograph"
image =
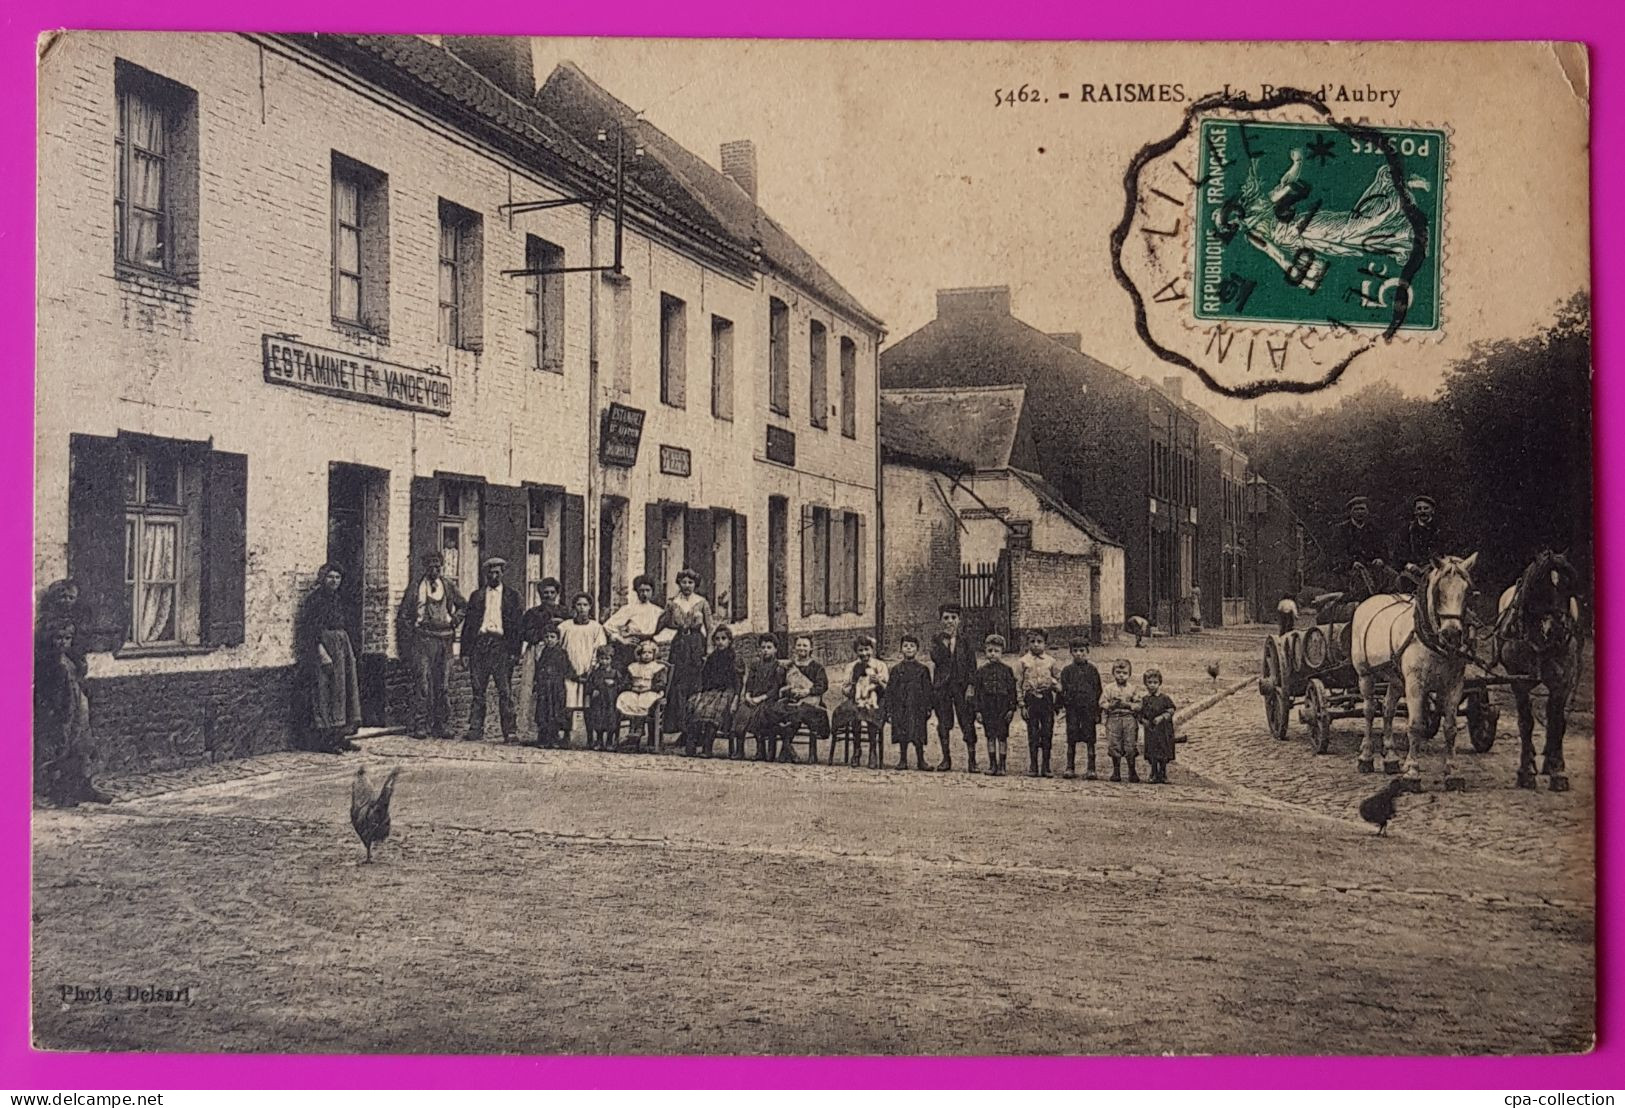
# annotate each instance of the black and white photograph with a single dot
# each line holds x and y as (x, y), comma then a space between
(616, 546)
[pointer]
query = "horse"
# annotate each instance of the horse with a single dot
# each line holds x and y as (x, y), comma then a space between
(1421, 640)
(1537, 636)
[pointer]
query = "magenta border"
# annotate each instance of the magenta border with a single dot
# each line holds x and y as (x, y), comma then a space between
(1596, 24)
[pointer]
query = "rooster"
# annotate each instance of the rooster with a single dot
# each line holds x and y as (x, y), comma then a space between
(1382, 807)
(369, 814)
(1213, 672)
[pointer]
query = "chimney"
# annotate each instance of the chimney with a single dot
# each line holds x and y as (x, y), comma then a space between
(504, 60)
(991, 300)
(739, 164)
(1072, 340)
(1175, 387)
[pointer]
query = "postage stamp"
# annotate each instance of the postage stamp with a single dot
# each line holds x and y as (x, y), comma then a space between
(1318, 224)
(1266, 244)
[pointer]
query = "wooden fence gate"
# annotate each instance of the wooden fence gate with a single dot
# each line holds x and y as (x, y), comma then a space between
(984, 593)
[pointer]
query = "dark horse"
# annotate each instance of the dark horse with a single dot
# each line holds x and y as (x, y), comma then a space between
(1537, 637)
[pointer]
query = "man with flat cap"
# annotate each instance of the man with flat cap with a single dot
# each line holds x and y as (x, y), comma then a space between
(1360, 545)
(491, 646)
(1419, 541)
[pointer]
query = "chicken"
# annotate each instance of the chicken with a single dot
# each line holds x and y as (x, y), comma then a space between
(1213, 671)
(1381, 807)
(369, 814)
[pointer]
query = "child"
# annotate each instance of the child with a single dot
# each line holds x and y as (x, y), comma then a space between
(711, 709)
(995, 691)
(1080, 697)
(581, 636)
(909, 701)
(1040, 684)
(1120, 704)
(860, 713)
(762, 684)
(645, 685)
(1157, 713)
(552, 704)
(604, 684)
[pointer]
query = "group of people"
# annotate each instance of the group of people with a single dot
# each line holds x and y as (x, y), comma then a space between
(1372, 564)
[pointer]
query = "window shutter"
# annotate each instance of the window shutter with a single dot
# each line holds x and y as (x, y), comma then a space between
(835, 571)
(741, 565)
(571, 556)
(862, 553)
(96, 538)
(809, 567)
(821, 588)
(506, 519)
(653, 545)
(225, 546)
(699, 539)
(424, 522)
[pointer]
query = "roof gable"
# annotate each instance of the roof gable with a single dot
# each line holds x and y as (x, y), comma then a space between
(962, 428)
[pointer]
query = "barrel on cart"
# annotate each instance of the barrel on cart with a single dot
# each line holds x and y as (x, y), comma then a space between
(1310, 669)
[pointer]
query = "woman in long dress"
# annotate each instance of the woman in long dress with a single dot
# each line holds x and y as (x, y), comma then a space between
(327, 662)
(689, 614)
(581, 637)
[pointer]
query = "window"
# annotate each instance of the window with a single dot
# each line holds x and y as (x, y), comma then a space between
(673, 351)
(544, 306)
(832, 561)
(849, 388)
(778, 355)
(157, 541)
(544, 520)
(458, 526)
(818, 374)
(360, 246)
(722, 368)
(155, 199)
(461, 260)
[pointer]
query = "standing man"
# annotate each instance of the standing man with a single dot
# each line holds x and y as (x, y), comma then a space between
(1359, 544)
(953, 668)
(1418, 542)
(430, 613)
(491, 646)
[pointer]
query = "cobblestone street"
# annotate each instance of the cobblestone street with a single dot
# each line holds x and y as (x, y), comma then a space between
(581, 902)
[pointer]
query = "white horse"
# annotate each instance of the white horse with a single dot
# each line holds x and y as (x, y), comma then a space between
(1418, 640)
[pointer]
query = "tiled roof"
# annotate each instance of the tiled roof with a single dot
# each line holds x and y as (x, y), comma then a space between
(962, 428)
(692, 185)
(1051, 496)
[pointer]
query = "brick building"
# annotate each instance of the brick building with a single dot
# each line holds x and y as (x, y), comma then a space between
(1116, 448)
(279, 327)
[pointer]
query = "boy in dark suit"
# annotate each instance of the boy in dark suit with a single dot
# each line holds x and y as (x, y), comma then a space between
(1080, 699)
(909, 697)
(953, 668)
(995, 685)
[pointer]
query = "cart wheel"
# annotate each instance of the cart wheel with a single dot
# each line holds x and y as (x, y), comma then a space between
(1272, 685)
(1482, 718)
(1317, 710)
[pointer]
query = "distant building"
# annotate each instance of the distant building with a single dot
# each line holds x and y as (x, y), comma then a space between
(1115, 448)
(1023, 549)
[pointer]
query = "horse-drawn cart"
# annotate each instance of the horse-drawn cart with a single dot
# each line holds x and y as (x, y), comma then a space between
(1310, 669)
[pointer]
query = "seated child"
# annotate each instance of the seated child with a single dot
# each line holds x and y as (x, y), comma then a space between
(762, 684)
(994, 691)
(710, 710)
(645, 685)
(859, 715)
(604, 684)
(1120, 704)
(909, 702)
(1157, 713)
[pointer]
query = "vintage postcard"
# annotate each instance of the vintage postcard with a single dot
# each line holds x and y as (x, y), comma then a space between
(760, 547)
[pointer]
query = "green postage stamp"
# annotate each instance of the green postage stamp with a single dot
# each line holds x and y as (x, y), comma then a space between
(1318, 224)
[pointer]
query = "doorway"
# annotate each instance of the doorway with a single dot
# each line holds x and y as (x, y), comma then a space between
(612, 584)
(778, 574)
(357, 539)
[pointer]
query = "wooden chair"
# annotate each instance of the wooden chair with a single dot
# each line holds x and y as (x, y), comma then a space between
(649, 721)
